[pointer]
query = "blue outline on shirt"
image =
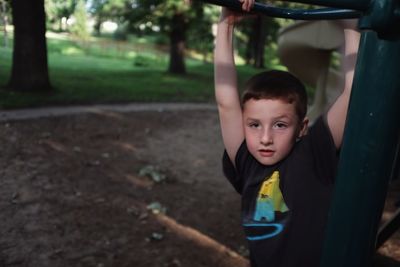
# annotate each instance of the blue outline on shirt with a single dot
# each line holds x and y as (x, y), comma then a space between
(279, 228)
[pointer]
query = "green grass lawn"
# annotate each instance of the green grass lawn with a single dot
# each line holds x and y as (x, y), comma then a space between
(111, 72)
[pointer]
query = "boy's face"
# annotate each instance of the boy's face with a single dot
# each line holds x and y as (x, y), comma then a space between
(271, 128)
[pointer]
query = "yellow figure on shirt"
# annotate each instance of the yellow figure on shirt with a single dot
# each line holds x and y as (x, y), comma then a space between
(269, 199)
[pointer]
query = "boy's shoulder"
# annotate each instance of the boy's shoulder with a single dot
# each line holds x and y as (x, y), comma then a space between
(319, 131)
(316, 152)
(317, 141)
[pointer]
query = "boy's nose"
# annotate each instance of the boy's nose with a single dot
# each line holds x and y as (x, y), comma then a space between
(266, 138)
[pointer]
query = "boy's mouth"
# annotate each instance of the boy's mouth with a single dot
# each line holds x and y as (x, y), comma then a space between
(266, 152)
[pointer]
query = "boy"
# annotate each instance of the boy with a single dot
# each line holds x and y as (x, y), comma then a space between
(283, 170)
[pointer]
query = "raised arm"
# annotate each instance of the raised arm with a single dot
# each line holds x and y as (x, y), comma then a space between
(226, 91)
(337, 113)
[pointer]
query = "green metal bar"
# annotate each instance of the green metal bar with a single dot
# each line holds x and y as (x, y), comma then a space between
(360, 5)
(368, 152)
(300, 14)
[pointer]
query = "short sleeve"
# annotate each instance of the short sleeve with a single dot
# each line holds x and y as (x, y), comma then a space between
(245, 166)
(325, 154)
(230, 172)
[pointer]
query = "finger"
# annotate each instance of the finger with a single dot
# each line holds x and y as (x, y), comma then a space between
(249, 5)
(244, 5)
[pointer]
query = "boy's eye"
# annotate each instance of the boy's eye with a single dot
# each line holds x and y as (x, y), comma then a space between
(254, 124)
(280, 125)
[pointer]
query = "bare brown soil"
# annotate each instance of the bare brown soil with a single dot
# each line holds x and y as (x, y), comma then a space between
(121, 189)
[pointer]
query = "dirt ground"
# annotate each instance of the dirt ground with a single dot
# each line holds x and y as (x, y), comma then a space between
(122, 189)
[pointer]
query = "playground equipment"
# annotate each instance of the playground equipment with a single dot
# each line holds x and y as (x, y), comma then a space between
(313, 42)
(368, 157)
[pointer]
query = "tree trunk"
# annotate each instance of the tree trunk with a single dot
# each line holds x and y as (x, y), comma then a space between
(249, 54)
(259, 41)
(97, 27)
(29, 69)
(60, 25)
(177, 45)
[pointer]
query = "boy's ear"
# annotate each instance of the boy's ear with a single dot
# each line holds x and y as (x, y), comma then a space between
(303, 127)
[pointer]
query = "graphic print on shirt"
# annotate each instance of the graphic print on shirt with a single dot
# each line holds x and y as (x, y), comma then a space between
(269, 202)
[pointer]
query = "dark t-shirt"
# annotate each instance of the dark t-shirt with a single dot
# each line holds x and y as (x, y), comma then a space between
(285, 206)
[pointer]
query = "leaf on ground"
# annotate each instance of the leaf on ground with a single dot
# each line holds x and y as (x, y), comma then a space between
(153, 172)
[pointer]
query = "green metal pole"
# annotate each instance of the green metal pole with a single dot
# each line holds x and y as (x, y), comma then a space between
(368, 151)
(360, 5)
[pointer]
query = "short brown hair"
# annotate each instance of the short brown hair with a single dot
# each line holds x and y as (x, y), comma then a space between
(277, 84)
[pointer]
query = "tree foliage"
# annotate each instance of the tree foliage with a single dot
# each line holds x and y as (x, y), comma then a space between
(113, 10)
(200, 36)
(170, 18)
(5, 10)
(79, 28)
(56, 10)
(175, 19)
